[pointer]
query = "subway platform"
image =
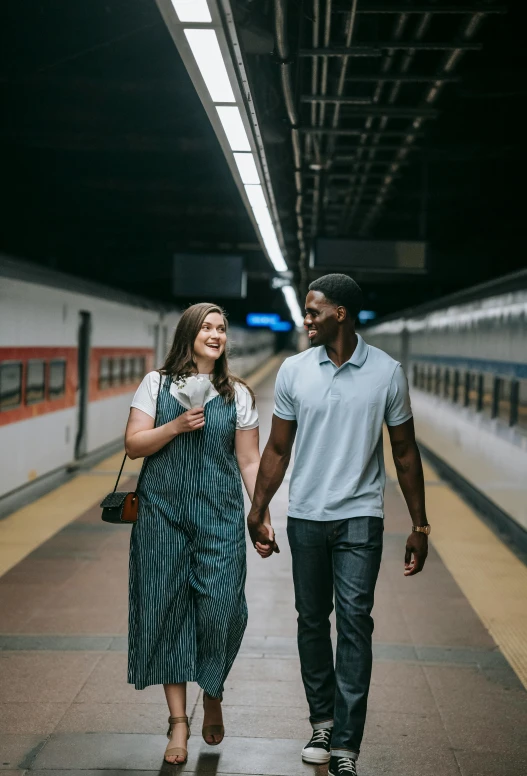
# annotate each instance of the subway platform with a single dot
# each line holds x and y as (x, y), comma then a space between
(450, 646)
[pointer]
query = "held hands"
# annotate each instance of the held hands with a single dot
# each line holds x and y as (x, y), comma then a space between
(416, 552)
(191, 420)
(262, 535)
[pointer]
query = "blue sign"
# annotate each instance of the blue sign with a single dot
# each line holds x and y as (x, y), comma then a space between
(367, 315)
(262, 319)
(282, 326)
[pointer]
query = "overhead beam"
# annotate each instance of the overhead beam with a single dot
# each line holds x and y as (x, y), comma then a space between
(356, 160)
(376, 149)
(352, 176)
(393, 111)
(351, 51)
(358, 132)
(394, 45)
(396, 8)
(403, 78)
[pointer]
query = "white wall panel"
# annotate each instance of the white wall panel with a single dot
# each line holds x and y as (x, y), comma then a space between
(107, 420)
(37, 446)
(470, 445)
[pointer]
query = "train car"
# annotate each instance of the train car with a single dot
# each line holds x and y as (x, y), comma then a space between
(72, 353)
(466, 359)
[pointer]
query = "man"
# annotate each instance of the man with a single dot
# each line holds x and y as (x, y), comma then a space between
(334, 398)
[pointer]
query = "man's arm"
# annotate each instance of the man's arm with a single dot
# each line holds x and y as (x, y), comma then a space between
(273, 466)
(410, 475)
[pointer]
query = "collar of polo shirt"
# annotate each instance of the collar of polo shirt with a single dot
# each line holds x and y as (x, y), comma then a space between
(360, 354)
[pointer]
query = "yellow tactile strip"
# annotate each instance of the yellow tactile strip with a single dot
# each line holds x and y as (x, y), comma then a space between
(27, 528)
(491, 577)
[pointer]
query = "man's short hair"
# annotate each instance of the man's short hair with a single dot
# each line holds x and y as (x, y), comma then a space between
(340, 290)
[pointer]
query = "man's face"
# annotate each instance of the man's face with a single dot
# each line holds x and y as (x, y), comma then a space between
(321, 319)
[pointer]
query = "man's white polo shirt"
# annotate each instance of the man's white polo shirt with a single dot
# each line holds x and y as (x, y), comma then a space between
(339, 465)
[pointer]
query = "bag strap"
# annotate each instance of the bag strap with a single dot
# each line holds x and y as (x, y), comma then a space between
(126, 456)
(120, 472)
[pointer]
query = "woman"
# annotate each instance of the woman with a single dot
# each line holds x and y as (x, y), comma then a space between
(188, 554)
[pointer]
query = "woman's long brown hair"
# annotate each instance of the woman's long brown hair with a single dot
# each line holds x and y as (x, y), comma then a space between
(180, 359)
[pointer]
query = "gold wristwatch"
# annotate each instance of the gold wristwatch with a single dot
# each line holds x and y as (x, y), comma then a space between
(422, 528)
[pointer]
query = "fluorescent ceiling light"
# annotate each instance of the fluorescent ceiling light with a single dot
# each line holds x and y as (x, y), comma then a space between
(267, 231)
(232, 124)
(256, 196)
(192, 10)
(206, 49)
(292, 303)
(247, 168)
(273, 248)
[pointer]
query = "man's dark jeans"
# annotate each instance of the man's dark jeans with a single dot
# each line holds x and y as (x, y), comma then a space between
(341, 556)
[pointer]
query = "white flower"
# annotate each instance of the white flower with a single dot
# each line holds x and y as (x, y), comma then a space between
(195, 388)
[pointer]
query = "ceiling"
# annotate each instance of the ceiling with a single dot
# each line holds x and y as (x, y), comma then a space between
(110, 165)
(396, 120)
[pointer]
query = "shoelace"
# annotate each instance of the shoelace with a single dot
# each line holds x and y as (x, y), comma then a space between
(320, 736)
(347, 765)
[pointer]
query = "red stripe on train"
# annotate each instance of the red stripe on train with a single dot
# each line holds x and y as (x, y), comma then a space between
(24, 354)
(69, 399)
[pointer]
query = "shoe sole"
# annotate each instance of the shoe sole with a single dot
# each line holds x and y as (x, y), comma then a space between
(325, 758)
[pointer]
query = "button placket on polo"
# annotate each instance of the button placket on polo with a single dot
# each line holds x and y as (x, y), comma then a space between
(334, 393)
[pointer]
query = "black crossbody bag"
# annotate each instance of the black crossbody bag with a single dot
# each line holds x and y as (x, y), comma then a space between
(122, 506)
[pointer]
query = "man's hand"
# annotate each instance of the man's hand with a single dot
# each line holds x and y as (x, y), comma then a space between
(262, 536)
(416, 552)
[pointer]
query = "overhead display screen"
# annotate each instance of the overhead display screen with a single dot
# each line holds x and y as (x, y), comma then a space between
(374, 255)
(209, 275)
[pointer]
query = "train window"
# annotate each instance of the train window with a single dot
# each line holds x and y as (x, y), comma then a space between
(473, 399)
(446, 384)
(454, 395)
(429, 379)
(115, 371)
(57, 379)
(139, 367)
(10, 385)
(415, 375)
(521, 412)
(479, 389)
(128, 370)
(467, 388)
(104, 373)
(438, 380)
(487, 395)
(503, 400)
(35, 381)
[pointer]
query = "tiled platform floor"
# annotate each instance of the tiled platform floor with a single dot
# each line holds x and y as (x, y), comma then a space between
(443, 702)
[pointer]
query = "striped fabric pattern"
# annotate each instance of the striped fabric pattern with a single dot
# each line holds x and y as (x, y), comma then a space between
(188, 611)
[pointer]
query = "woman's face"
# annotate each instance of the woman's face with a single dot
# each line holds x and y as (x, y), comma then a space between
(212, 339)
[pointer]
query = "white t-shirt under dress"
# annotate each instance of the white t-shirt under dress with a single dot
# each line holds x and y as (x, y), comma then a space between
(146, 396)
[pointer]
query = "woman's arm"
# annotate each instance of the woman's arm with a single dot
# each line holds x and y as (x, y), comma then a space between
(142, 439)
(247, 448)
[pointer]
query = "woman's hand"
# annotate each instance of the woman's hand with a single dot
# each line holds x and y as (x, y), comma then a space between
(191, 420)
(266, 550)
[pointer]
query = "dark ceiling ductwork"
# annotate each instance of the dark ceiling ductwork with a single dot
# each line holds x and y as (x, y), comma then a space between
(369, 105)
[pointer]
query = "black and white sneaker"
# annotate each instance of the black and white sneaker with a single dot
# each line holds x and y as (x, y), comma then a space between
(342, 766)
(318, 750)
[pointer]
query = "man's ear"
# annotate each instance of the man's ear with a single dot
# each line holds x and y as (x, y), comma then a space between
(342, 314)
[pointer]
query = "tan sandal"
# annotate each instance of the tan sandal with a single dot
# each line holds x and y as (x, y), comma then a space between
(177, 751)
(212, 730)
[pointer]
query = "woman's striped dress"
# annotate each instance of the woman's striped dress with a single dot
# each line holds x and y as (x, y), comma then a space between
(188, 555)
